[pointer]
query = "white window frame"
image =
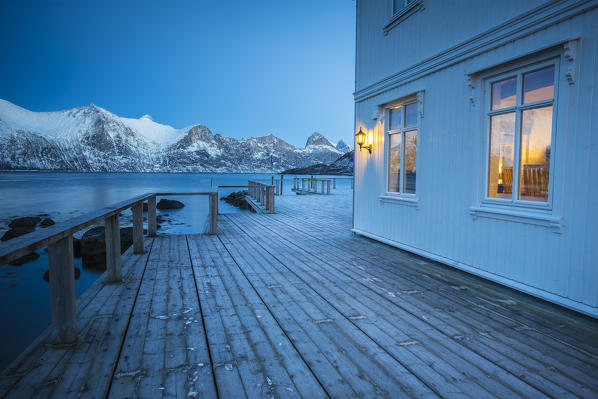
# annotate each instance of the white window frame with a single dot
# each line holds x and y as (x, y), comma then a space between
(401, 196)
(409, 8)
(519, 107)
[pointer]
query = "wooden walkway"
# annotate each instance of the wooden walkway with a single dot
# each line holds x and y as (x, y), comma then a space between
(292, 305)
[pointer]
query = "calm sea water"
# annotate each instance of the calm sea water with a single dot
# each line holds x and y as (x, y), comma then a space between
(24, 294)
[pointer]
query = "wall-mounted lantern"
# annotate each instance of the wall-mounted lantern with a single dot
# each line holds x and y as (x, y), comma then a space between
(361, 138)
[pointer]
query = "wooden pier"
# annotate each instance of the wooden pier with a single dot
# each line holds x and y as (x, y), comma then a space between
(293, 305)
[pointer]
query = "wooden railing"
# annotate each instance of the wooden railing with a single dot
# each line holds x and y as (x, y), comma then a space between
(262, 193)
(59, 240)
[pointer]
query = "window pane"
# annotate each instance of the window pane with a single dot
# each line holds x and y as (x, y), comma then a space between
(536, 133)
(500, 163)
(395, 118)
(503, 93)
(394, 162)
(410, 162)
(538, 85)
(411, 115)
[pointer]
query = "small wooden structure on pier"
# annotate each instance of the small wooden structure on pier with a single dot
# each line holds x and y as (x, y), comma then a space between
(251, 312)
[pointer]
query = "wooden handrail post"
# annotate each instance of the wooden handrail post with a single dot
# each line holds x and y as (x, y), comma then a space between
(271, 199)
(277, 192)
(152, 223)
(112, 237)
(137, 209)
(267, 197)
(213, 213)
(62, 291)
(281, 184)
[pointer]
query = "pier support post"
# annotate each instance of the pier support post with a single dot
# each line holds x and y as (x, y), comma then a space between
(213, 213)
(267, 198)
(138, 228)
(277, 187)
(271, 199)
(322, 189)
(152, 224)
(112, 236)
(334, 184)
(281, 184)
(302, 184)
(328, 187)
(295, 183)
(62, 291)
(352, 182)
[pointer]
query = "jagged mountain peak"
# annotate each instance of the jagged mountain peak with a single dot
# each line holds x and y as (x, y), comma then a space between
(318, 139)
(146, 116)
(342, 146)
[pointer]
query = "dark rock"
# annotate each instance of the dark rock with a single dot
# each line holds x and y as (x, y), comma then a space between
(26, 222)
(76, 247)
(16, 232)
(93, 246)
(126, 238)
(47, 222)
(93, 249)
(76, 269)
(169, 204)
(25, 259)
(20, 226)
(237, 199)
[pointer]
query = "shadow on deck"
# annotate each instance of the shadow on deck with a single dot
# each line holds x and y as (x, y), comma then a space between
(292, 305)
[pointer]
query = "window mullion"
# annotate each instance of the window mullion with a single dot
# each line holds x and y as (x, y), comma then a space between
(517, 138)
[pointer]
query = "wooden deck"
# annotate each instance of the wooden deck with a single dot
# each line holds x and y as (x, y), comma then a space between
(293, 305)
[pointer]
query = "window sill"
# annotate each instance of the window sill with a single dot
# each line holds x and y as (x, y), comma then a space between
(403, 14)
(518, 215)
(402, 200)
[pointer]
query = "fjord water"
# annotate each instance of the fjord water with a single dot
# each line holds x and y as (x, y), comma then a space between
(24, 294)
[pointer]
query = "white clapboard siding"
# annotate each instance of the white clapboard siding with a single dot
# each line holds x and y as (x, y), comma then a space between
(558, 264)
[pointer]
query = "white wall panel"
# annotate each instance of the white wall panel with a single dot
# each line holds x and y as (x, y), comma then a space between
(561, 266)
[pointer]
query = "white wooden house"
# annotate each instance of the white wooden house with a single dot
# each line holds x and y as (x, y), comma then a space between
(482, 117)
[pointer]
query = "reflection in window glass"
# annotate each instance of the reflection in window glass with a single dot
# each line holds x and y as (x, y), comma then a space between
(538, 85)
(394, 162)
(500, 164)
(395, 118)
(536, 133)
(504, 93)
(411, 115)
(410, 162)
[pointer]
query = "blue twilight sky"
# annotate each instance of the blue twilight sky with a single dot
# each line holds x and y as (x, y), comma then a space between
(243, 68)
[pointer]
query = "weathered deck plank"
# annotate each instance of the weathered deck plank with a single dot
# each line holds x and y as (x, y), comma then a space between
(475, 338)
(293, 305)
(85, 368)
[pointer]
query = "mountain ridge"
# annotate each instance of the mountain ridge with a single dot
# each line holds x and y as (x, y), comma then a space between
(92, 139)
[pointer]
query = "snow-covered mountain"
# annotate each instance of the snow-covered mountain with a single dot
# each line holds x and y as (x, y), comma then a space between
(93, 139)
(343, 147)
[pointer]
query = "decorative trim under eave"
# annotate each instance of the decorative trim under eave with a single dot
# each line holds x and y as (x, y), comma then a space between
(555, 11)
